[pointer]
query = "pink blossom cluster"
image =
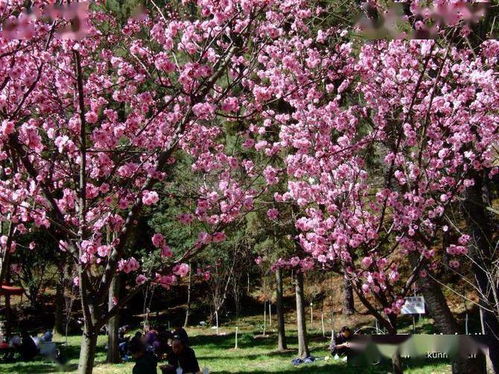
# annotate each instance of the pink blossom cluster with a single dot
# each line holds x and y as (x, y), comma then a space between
(173, 95)
(128, 265)
(373, 143)
(426, 118)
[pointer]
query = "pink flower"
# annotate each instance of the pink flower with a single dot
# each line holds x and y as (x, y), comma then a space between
(464, 239)
(248, 143)
(270, 175)
(150, 197)
(230, 104)
(261, 145)
(273, 213)
(295, 261)
(163, 63)
(468, 182)
(204, 238)
(63, 246)
(185, 218)
(218, 237)
(158, 240)
(166, 251)
(129, 265)
(141, 279)
(7, 128)
(181, 270)
(322, 259)
(103, 250)
(166, 281)
(262, 93)
(394, 276)
(457, 250)
(91, 117)
(382, 262)
(204, 110)
(366, 262)
(104, 188)
(307, 264)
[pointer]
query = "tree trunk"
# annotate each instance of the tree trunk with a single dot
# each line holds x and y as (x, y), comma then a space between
(113, 352)
(303, 350)
(348, 303)
(281, 328)
(397, 363)
(248, 286)
(444, 321)
(237, 296)
(481, 250)
(90, 326)
(396, 359)
(188, 308)
(87, 351)
(8, 316)
(5, 278)
(59, 303)
(435, 300)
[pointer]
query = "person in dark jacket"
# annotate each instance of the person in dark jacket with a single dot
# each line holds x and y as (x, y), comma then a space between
(145, 362)
(181, 334)
(181, 356)
(164, 337)
(28, 348)
(341, 344)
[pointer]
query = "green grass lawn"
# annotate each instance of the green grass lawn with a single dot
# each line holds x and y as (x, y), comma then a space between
(255, 354)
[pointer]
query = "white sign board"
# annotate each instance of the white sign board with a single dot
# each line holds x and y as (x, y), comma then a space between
(413, 305)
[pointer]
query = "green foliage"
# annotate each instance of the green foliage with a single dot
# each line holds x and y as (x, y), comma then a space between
(123, 9)
(35, 269)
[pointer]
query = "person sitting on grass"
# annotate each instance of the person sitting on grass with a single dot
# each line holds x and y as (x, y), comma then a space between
(341, 344)
(181, 334)
(182, 357)
(150, 339)
(27, 348)
(145, 362)
(164, 337)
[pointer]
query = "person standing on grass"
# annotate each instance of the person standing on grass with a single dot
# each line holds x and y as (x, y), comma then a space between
(145, 362)
(181, 357)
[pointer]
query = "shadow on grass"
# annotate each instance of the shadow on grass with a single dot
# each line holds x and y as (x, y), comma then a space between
(247, 341)
(68, 352)
(326, 369)
(289, 353)
(38, 367)
(256, 356)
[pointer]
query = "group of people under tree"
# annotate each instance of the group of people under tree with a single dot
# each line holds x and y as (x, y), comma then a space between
(25, 347)
(170, 351)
